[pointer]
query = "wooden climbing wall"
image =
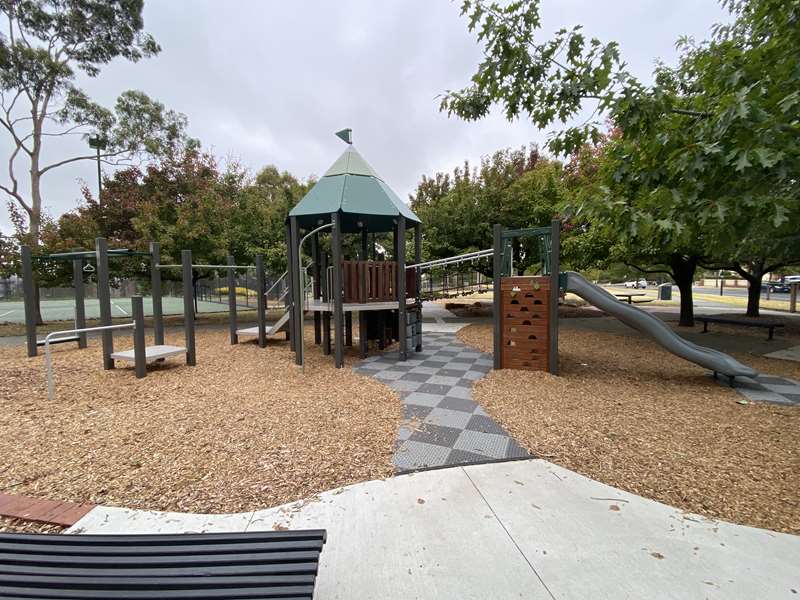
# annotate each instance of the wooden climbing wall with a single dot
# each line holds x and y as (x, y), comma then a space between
(525, 323)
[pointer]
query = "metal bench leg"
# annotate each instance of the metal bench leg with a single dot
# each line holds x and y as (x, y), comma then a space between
(705, 326)
(771, 331)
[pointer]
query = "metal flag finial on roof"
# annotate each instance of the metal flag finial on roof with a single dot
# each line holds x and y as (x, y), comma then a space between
(346, 135)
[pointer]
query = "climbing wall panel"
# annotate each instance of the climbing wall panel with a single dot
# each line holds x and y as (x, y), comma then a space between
(525, 322)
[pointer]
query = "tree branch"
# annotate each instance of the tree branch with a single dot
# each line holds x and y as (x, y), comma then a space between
(638, 268)
(61, 163)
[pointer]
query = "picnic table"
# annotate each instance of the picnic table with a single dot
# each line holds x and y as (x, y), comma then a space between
(629, 296)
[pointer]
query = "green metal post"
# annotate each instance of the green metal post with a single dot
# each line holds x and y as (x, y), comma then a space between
(188, 307)
(80, 305)
(261, 309)
(496, 300)
(555, 266)
(336, 292)
(232, 319)
(29, 291)
(139, 344)
(104, 299)
(155, 285)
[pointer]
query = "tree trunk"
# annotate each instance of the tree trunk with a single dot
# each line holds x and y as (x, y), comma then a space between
(34, 228)
(683, 270)
(753, 297)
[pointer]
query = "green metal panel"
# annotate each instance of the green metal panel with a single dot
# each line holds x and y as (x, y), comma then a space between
(354, 188)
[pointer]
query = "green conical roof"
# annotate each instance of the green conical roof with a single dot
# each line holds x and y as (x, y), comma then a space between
(352, 187)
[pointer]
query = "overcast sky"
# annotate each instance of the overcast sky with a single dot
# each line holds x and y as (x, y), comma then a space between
(268, 82)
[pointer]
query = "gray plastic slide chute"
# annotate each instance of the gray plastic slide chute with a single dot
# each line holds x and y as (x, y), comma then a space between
(656, 329)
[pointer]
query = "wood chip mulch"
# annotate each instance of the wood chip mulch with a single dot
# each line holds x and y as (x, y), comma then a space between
(631, 415)
(244, 429)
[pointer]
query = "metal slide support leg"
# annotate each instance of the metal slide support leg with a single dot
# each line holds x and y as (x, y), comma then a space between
(139, 344)
(188, 307)
(232, 318)
(261, 309)
(401, 288)
(555, 267)
(104, 299)
(155, 291)
(30, 299)
(417, 260)
(336, 292)
(297, 292)
(80, 305)
(497, 235)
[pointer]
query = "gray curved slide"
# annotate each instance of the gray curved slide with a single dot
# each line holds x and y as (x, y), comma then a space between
(656, 329)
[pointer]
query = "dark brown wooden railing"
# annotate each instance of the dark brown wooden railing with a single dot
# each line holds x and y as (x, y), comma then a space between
(374, 281)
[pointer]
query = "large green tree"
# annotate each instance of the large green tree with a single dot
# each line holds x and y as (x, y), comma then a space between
(714, 137)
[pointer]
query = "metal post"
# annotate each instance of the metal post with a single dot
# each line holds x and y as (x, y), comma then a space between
(417, 260)
(104, 299)
(401, 287)
(497, 235)
(297, 292)
(155, 290)
(316, 287)
(326, 315)
(188, 307)
(290, 329)
(29, 292)
(261, 309)
(232, 302)
(336, 292)
(348, 328)
(80, 305)
(555, 267)
(793, 297)
(139, 344)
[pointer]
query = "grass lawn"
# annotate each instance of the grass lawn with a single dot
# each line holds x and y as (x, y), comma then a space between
(631, 415)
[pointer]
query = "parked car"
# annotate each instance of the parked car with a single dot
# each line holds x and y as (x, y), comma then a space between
(639, 284)
(775, 286)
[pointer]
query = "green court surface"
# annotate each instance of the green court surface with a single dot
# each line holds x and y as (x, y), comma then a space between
(64, 309)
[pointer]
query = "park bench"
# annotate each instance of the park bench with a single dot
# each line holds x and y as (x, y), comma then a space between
(192, 565)
(764, 325)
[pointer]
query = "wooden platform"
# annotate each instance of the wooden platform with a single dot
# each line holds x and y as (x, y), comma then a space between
(151, 353)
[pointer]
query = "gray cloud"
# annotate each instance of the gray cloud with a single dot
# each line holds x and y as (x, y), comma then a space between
(269, 82)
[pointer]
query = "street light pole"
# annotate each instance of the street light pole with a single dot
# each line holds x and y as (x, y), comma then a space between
(100, 144)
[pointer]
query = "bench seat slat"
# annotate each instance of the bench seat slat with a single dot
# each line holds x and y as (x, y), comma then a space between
(158, 550)
(289, 568)
(288, 593)
(158, 538)
(162, 561)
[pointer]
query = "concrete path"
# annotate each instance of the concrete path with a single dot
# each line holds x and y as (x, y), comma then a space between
(522, 529)
(443, 425)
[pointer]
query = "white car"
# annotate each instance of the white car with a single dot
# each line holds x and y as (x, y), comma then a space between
(640, 284)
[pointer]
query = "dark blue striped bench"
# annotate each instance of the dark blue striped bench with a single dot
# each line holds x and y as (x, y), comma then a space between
(274, 565)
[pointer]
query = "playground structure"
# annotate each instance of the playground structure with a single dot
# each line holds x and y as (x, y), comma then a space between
(351, 198)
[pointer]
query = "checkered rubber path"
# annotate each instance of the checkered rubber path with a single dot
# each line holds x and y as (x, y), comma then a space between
(767, 388)
(443, 425)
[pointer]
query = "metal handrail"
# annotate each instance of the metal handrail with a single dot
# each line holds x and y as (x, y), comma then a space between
(452, 259)
(47, 339)
(206, 266)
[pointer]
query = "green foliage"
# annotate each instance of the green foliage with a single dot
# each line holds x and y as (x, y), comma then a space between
(516, 188)
(702, 164)
(184, 201)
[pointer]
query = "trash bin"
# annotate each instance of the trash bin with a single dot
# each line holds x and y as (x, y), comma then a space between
(665, 291)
